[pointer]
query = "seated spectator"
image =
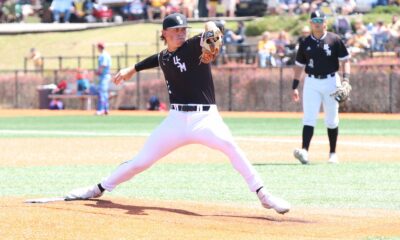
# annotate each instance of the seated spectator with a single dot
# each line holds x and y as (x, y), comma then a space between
(342, 27)
(61, 7)
(173, 6)
(188, 8)
(153, 104)
(348, 7)
(305, 32)
(266, 49)
(61, 86)
(287, 6)
(82, 83)
(133, 10)
(360, 42)
(212, 7)
(56, 104)
(308, 6)
(380, 35)
(281, 44)
(237, 36)
(394, 30)
(156, 7)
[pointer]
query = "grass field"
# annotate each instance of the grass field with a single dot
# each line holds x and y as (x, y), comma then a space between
(49, 155)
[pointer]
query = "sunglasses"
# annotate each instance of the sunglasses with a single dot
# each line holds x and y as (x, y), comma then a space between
(317, 20)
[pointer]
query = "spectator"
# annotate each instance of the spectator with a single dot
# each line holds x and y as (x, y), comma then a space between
(359, 42)
(380, 35)
(237, 36)
(281, 44)
(394, 30)
(212, 7)
(156, 7)
(305, 32)
(173, 6)
(287, 6)
(82, 82)
(56, 104)
(308, 6)
(36, 58)
(103, 72)
(348, 7)
(266, 49)
(61, 86)
(153, 104)
(133, 10)
(61, 7)
(342, 27)
(229, 6)
(188, 8)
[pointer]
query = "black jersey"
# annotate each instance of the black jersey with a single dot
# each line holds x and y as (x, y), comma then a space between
(188, 80)
(321, 56)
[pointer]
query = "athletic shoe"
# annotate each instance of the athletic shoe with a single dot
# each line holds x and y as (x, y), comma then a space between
(84, 193)
(268, 201)
(333, 158)
(301, 155)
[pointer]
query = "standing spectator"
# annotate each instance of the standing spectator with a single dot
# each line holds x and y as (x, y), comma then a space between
(103, 72)
(266, 49)
(394, 31)
(359, 42)
(61, 7)
(229, 6)
(36, 58)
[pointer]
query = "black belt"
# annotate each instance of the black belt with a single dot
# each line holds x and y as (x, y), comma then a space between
(322, 76)
(190, 108)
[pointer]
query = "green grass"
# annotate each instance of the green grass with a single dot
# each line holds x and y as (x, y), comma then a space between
(144, 125)
(353, 185)
(347, 185)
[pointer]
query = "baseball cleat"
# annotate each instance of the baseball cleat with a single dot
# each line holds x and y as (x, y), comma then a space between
(333, 158)
(278, 204)
(84, 193)
(301, 155)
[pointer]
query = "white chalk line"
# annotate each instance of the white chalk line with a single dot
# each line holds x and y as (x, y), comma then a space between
(368, 144)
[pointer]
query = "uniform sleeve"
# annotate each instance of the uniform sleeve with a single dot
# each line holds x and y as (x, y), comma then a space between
(150, 62)
(300, 56)
(343, 54)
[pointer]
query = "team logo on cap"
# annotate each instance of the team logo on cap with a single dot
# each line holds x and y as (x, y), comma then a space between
(179, 19)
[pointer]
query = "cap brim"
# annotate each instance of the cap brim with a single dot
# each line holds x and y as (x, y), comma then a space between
(180, 26)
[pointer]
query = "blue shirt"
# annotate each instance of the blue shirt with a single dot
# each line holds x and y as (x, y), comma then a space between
(105, 62)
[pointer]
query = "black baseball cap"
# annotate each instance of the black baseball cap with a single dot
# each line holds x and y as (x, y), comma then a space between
(175, 20)
(318, 14)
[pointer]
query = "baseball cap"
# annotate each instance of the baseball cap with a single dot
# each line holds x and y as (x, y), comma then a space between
(175, 20)
(318, 15)
(100, 45)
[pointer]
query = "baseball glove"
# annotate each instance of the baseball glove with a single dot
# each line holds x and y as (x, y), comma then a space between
(211, 43)
(342, 93)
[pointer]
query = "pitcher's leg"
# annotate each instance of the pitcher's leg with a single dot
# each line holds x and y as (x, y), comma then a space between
(162, 141)
(214, 133)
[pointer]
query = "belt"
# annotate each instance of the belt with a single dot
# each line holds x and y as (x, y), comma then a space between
(322, 76)
(190, 108)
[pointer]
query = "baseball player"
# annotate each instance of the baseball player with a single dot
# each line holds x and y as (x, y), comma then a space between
(193, 116)
(320, 54)
(103, 71)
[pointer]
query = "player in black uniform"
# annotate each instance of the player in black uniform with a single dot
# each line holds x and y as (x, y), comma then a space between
(320, 54)
(193, 118)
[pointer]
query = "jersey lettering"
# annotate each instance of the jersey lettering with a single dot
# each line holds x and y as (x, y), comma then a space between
(311, 63)
(181, 66)
(327, 50)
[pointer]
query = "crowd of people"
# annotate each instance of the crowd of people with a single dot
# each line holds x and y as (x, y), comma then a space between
(93, 10)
